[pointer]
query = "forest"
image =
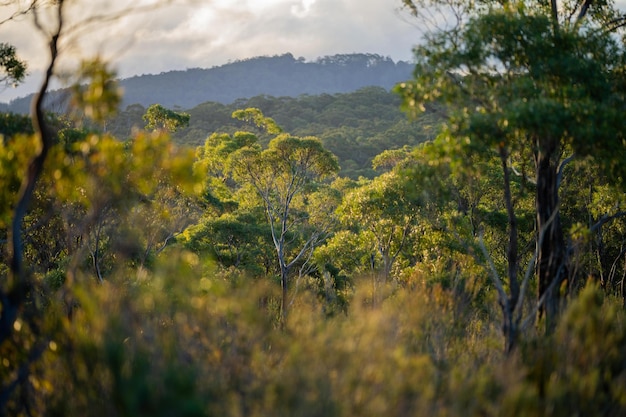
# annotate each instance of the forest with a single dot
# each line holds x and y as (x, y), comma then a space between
(355, 126)
(454, 247)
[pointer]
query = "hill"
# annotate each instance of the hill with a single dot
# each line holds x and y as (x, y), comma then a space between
(277, 76)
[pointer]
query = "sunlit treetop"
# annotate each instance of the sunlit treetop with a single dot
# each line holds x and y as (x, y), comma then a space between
(158, 117)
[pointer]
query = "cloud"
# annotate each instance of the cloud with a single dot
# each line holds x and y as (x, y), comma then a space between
(192, 33)
(316, 28)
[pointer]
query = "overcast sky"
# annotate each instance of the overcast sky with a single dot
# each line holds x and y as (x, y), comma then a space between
(195, 33)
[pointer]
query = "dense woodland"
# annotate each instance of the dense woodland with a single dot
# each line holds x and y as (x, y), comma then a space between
(354, 126)
(327, 255)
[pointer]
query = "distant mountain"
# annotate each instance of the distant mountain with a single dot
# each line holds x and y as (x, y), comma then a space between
(277, 76)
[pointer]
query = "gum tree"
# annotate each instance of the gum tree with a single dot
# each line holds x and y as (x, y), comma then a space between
(387, 213)
(285, 176)
(539, 85)
(158, 117)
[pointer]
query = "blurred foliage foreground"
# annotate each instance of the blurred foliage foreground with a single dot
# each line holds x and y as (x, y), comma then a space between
(167, 335)
(177, 343)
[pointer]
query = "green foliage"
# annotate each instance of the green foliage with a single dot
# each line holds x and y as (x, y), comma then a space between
(509, 80)
(538, 85)
(14, 156)
(12, 69)
(581, 369)
(355, 126)
(392, 158)
(254, 115)
(178, 336)
(198, 346)
(158, 117)
(241, 241)
(386, 213)
(346, 252)
(12, 124)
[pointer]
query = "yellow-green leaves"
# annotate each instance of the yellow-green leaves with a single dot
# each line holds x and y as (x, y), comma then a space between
(254, 116)
(15, 155)
(158, 117)
(96, 92)
(156, 159)
(98, 168)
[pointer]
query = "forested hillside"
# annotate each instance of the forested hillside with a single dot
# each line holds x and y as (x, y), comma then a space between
(277, 76)
(355, 126)
(327, 255)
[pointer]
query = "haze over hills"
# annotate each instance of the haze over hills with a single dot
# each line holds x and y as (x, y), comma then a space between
(282, 75)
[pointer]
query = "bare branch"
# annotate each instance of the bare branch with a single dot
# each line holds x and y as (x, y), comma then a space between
(583, 10)
(512, 246)
(530, 180)
(95, 254)
(495, 277)
(166, 242)
(540, 303)
(617, 23)
(19, 13)
(614, 264)
(305, 269)
(561, 168)
(555, 13)
(605, 219)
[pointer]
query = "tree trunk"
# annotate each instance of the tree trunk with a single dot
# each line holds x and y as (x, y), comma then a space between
(387, 263)
(283, 302)
(510, 323)
(510, 330)
(20, 284)
(551, 260)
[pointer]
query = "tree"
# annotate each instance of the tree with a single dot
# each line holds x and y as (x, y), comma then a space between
(383, 209)
(283, 176)
(539, 84)
(240, 240)
(15, 293)
(158, 117)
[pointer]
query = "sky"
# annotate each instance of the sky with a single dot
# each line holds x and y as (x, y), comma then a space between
(204, 34)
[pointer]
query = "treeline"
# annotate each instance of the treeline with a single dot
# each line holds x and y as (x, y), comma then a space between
(281, 75)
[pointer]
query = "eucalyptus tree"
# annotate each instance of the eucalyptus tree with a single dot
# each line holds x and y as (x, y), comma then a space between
(158, 117)
(384, 210)
(286, 177)
(538, 84)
